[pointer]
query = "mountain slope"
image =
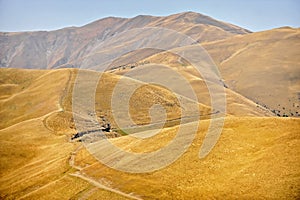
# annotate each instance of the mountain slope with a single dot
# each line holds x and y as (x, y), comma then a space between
(236, 104)
(67, 47)
(264, 67)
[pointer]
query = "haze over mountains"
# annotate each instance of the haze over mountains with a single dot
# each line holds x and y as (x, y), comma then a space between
(41, 145)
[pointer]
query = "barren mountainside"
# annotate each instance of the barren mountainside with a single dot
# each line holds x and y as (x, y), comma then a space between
(67, 47)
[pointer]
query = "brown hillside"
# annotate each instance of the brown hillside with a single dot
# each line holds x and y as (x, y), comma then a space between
(67, 47)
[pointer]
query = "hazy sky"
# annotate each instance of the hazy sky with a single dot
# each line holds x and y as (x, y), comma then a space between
(255, 15)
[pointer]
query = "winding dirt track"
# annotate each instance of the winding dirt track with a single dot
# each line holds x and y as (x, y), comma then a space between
(83, 176)
(79, 174)
(97, 184)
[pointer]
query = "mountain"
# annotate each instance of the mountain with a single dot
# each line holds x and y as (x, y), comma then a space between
(67, 47)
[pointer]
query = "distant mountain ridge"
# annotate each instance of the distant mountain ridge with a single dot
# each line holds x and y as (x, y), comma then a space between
(66, 47)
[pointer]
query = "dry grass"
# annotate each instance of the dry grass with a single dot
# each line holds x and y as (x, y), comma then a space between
(254, 158)
(34, 146)
(263, 66)
(236, 104)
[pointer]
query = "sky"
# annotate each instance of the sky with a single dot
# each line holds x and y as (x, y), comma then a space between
(255, 15)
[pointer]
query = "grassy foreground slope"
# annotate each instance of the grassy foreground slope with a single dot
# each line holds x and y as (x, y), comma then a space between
(35, 158)
(37, 124)
(254, 158)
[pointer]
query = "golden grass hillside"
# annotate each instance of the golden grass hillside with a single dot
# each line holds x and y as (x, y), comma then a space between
(29, 94)
(236, 104)
(35, 165)
(34, 157)
(37, 125)
(262, 66)
(254, 157)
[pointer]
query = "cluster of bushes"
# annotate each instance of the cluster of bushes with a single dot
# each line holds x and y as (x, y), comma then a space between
(282, 111)
(286, 113)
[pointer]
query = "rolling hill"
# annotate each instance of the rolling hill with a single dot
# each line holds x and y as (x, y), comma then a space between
(262, 66)
(38, 145)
